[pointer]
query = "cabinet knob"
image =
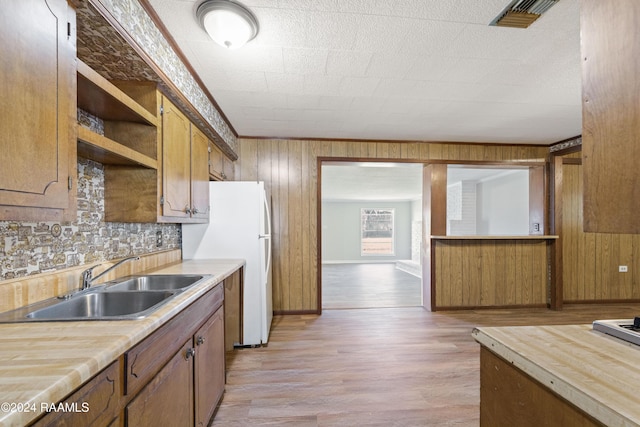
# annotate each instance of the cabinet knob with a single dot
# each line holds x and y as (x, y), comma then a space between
(195, 211)
(200, 340)
(187, 209)
(191, 352)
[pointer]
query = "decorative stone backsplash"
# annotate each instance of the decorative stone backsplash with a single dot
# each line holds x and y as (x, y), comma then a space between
(91, 122)
(33, 248)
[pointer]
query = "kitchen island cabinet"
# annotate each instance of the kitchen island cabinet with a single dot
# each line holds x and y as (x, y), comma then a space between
(564, 375)
(37, 106)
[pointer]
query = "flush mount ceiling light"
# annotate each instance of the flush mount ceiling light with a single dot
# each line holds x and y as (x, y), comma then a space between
(228, 23)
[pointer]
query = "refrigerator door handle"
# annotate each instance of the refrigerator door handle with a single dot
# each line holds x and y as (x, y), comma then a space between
(267, 211)
(268, 263)
(267, 230)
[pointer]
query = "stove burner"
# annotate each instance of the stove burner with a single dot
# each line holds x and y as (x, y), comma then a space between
(627, 330)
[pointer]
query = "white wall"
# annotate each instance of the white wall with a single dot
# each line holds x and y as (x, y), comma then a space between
(416, 230)
(341, 231)
(503, 204)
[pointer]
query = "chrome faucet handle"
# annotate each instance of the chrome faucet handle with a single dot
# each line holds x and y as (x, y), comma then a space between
(87, 275)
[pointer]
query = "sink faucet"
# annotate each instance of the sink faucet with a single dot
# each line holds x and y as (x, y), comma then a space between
(87, 275)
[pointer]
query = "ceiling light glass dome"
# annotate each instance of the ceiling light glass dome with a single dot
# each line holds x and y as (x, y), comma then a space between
(228, 23)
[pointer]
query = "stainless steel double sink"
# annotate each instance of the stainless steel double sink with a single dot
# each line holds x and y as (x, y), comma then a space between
(132, 297)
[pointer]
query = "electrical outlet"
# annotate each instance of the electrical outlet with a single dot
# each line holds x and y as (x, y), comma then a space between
(622, 268)
(158, 239)
(536, 226)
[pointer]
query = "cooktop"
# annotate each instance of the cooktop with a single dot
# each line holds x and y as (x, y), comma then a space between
(625, 329)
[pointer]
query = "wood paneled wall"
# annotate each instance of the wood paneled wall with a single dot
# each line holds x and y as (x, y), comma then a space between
(290, 172)
(490, 273)
(591, 260)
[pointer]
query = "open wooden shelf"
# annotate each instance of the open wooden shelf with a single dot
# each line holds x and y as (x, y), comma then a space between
(103, 150)
(103, 99)
(130, 129)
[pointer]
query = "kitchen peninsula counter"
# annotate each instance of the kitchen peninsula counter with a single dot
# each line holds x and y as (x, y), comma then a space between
(43, 362)
(574, 366)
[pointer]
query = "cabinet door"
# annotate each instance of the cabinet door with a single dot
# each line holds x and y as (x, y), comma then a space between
(199, 174)
(215, 162)
(228, 172)
(37, 103)
(209, 367)
(95, 404)
(168, 399)
(176, 162)
(610, 115)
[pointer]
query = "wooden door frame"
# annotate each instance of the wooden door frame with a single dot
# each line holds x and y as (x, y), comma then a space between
(319, 161)
(557, 159)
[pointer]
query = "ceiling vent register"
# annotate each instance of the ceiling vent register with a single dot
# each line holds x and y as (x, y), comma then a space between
(522, 13)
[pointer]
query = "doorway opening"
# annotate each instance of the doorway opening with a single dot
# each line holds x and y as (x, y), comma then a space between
(371, 234)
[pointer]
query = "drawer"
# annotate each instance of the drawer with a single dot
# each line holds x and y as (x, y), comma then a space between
(96, 403)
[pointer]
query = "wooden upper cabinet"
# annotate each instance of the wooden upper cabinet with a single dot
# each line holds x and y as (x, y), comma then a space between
(37, 107)
(199, 174)
(185, 174)
(220, 166)
(215, 162)
(176, 162)
(610, 115)
(228, 172)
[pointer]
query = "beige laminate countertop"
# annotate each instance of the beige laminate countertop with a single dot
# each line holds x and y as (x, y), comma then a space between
(597, 373)
(41, 363)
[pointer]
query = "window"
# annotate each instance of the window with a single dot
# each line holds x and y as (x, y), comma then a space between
(494, 200)
(377, 231)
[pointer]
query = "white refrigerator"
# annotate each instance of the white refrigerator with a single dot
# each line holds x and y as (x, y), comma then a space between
(239, 227)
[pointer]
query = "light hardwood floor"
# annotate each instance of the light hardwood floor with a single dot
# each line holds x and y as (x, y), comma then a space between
(373, 367)
(368, 286)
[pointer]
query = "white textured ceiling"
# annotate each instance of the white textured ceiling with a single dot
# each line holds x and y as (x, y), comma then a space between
(392, 69)
(348, 181)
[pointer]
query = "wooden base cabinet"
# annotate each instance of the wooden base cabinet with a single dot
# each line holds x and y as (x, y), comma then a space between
(94, 404)
(209, 378)
(174, 377)
(168, 399)
(191, 383)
